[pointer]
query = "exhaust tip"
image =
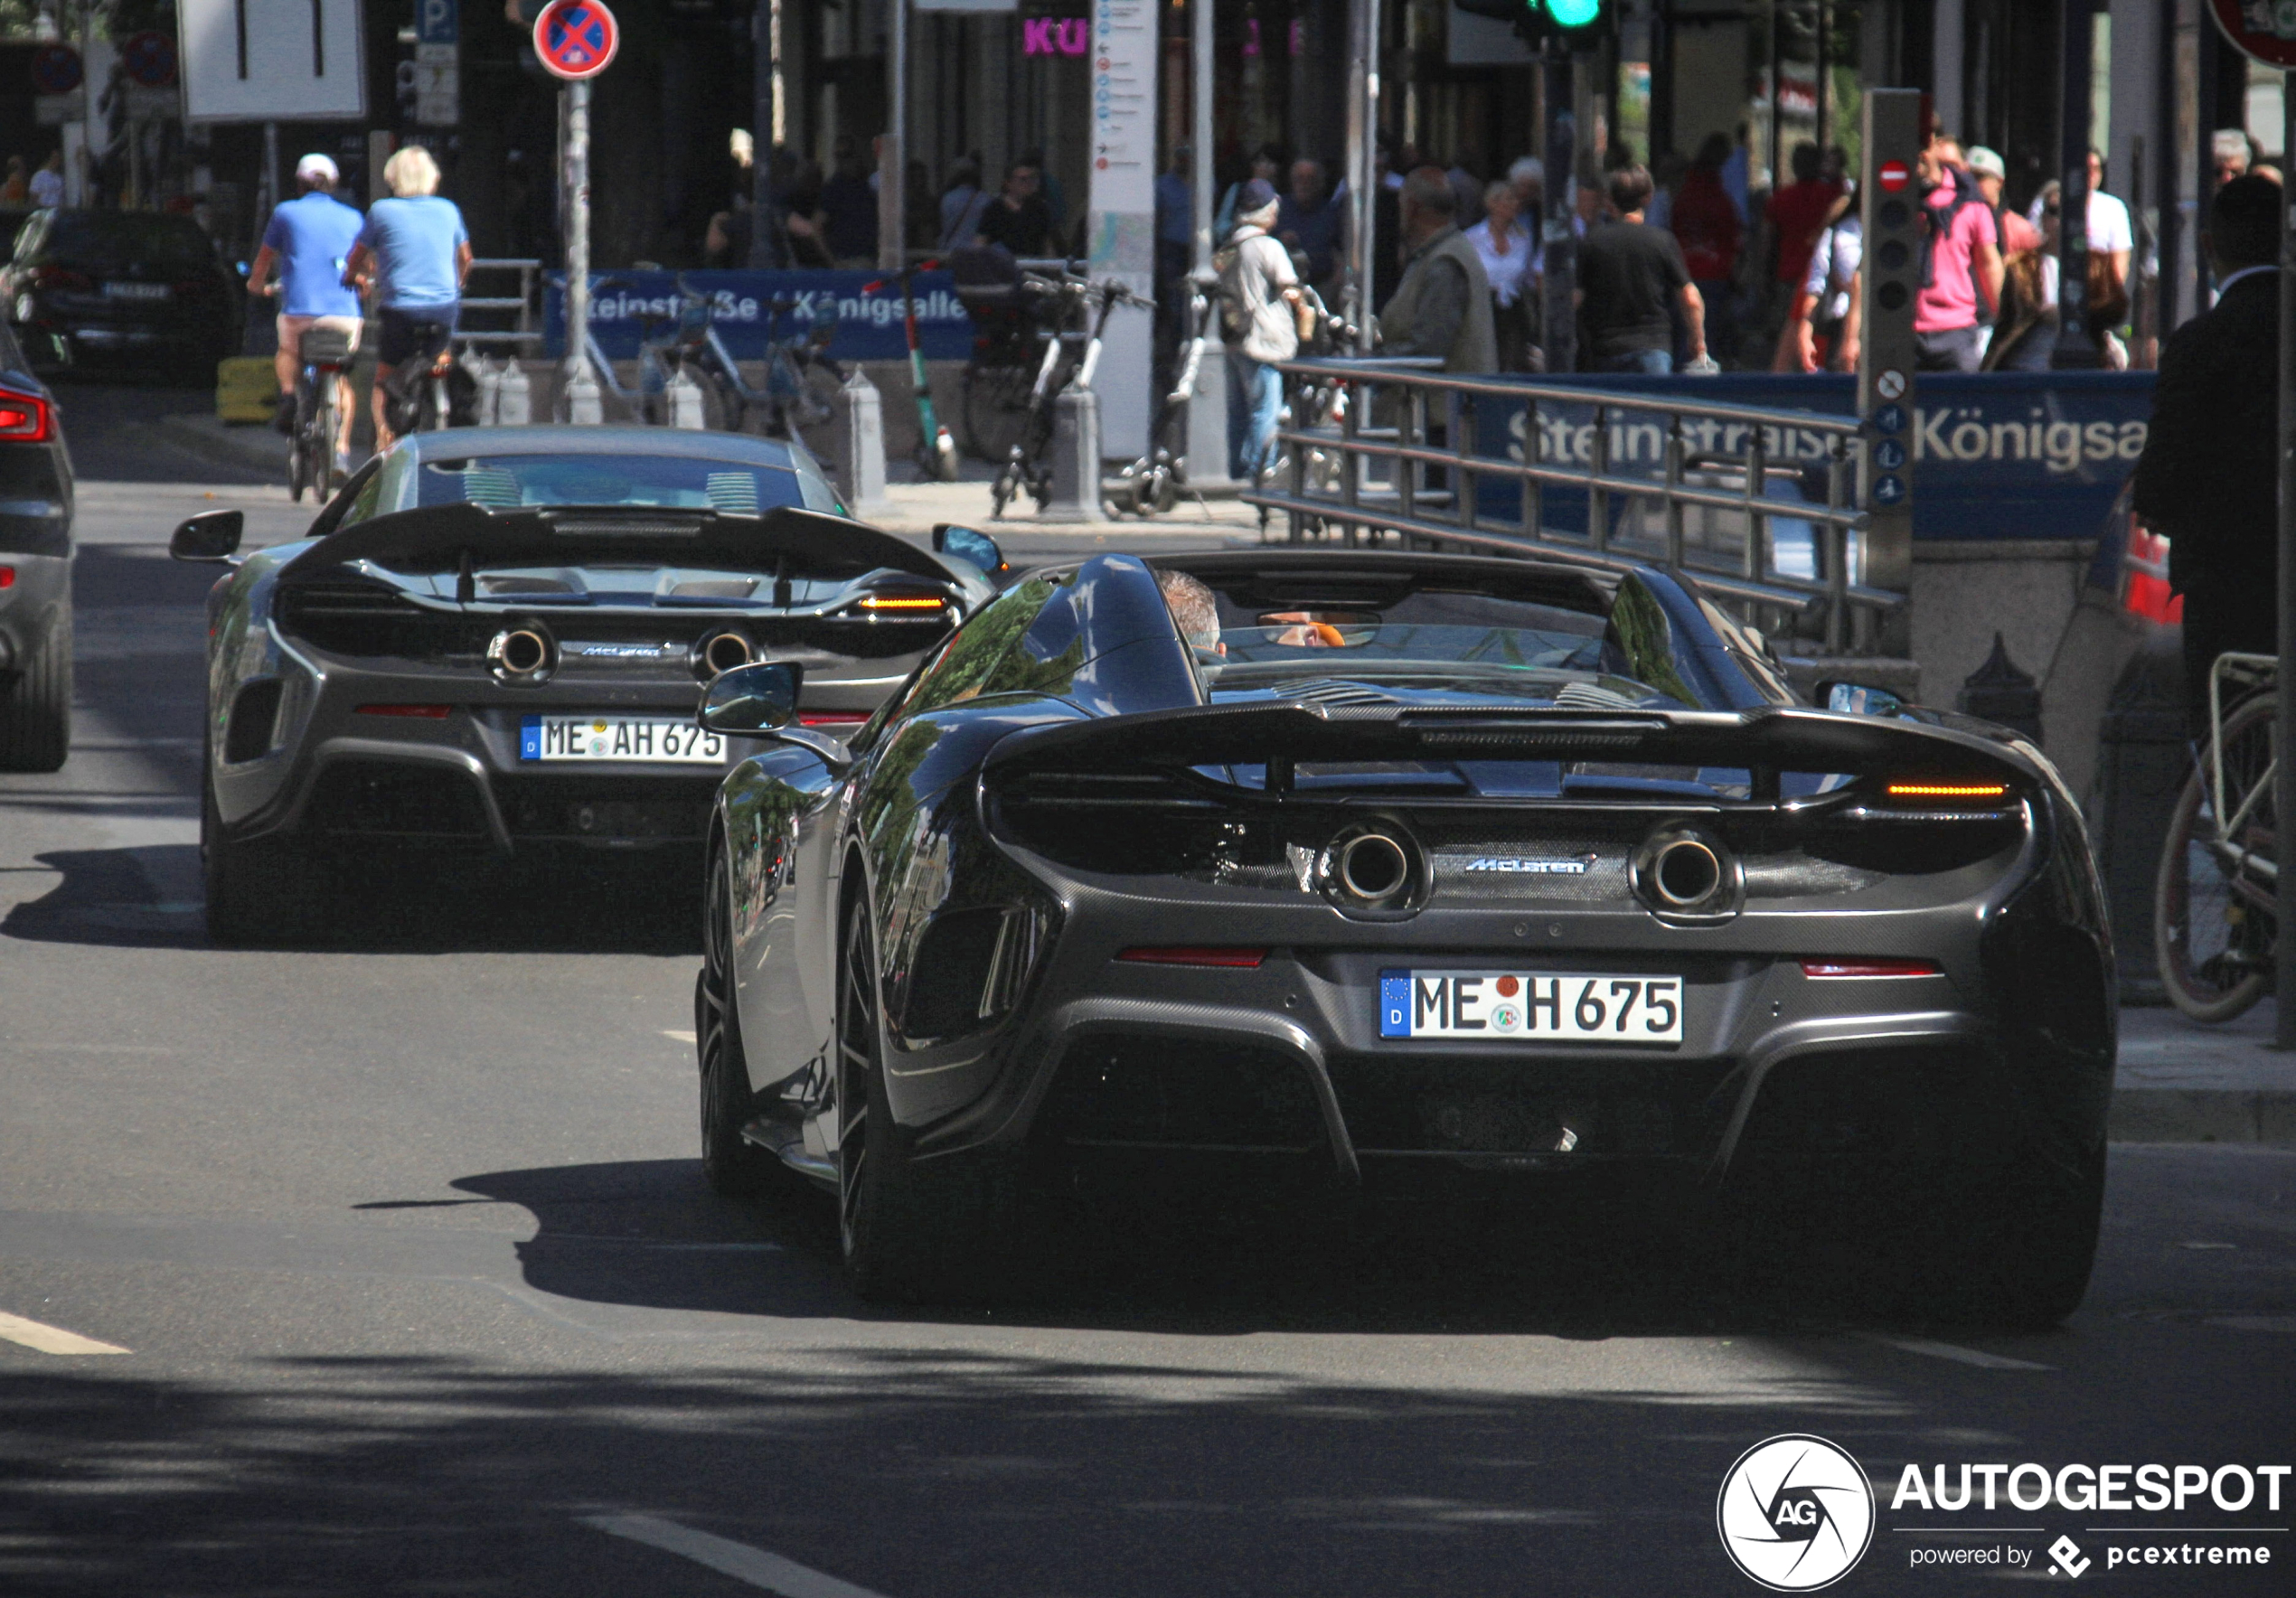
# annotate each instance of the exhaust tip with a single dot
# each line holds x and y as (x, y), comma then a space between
(1372, 868)
(723, 651)
(1686, 873)
(1680, 872)
(522, 655)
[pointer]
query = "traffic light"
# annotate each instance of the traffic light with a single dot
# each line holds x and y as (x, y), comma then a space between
(1570, 15)
(1574, 23)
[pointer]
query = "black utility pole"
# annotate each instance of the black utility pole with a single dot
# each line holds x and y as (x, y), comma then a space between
(2074, 348)
(1561, 310)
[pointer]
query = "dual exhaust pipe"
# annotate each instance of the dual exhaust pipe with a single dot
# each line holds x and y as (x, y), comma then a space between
(526, 652)
(1680, 873)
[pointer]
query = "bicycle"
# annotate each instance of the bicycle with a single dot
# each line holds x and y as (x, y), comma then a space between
(312, 461)
(1025, 465)
(420, 401)
(2214, 897)
(662, 358)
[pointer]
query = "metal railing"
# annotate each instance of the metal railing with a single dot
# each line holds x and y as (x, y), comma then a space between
(525, 329)
(1664, 479)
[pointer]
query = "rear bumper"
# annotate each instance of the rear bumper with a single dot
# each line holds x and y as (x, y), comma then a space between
(1776, 1068)
(33, 606)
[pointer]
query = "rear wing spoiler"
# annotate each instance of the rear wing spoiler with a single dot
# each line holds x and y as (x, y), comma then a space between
(1284, 735)
(442, 537)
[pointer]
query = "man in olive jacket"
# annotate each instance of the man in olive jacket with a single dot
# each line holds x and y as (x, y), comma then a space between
(1443, 305)
(2209, 477)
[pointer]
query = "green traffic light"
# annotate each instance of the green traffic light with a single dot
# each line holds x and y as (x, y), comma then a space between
(1574, 14)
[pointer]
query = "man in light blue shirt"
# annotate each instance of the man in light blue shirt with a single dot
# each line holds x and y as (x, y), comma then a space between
(309, 240)
(415, 253)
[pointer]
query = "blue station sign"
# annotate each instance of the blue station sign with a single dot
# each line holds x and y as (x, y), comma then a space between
(749, 309)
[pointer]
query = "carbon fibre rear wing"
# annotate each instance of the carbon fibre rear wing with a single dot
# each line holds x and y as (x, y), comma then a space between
(1281, 736)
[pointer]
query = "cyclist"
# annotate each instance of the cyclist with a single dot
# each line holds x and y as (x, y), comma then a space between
(417, 253)
(309, 240)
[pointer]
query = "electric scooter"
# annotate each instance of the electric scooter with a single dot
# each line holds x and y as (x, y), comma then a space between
(936, 448)
(1152, 483)
(1025, 467)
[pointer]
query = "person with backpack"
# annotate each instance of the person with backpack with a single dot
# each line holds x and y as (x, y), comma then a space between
(1961, 258)
(1258, 295)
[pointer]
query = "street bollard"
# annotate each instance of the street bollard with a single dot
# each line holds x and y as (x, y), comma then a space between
(486, 380)
(862, 468)
(513, 396)
(582, 403)
(1075, 458)
(685, 404)
(1998, 692)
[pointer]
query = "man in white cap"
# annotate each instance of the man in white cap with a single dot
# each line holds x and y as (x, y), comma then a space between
(309, 240)
(1991, 172)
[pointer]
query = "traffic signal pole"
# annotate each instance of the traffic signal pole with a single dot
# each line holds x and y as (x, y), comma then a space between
(1362, 164)
(1559, 336)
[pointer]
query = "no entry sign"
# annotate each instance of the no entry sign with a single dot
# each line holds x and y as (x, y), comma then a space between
(576, 38)
(1892, 175)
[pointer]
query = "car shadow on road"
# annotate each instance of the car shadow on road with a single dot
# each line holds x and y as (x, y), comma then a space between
(1578, 1266)
(149, 897)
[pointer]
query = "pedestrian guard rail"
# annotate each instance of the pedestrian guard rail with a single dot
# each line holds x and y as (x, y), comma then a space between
(511, 321)
(1755, 503)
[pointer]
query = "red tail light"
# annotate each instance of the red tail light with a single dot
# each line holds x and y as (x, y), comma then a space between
(1183, 956)
(26, 418)
(7, 577)
(63, 278)
(418, 712)
(831, 718)
(1868, 968)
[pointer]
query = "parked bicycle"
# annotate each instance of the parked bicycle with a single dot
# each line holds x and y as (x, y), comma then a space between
(316, 457)
(2214, 898)
(682, 361)
(1028, 463)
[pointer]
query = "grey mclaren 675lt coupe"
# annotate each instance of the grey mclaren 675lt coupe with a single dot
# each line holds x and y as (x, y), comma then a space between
(492, 643)
(1424, 875)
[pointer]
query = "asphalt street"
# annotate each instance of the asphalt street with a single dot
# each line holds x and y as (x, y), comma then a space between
(387, 1267)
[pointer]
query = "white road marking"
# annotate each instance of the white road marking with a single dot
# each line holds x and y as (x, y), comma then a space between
(739, 1560)
(676, 1037)
(1953, 1351)
(50, 1340)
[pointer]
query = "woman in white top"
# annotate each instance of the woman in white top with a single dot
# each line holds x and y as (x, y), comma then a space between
(1504, 245)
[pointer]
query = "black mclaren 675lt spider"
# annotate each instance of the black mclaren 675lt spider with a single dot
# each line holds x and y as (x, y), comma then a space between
(493, 642)
(1423, 875)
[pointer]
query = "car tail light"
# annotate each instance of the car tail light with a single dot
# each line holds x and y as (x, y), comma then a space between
(415, 713)
(1185, 956)
(1868, 968)
(26, 418)
(911, 604)
(7, 577)
(831, 718)
(1949, 791)
(63, 278)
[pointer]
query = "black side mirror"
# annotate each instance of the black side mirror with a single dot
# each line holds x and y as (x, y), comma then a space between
(969, 545)
(752, 702)
(214, 535)
(1855, 699)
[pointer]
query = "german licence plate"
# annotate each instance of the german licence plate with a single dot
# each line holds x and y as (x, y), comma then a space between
(651, 739)
(138, 291)
(1563, 1007)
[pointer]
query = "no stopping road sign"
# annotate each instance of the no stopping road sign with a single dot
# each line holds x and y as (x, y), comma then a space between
(576, 39)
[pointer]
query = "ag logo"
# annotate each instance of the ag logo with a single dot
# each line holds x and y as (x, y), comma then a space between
(1795, 1513)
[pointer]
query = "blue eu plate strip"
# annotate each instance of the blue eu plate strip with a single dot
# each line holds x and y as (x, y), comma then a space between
(529, 739)
(1394, 1004)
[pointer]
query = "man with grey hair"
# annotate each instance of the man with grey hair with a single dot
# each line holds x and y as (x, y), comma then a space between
(1443, 305)
(1195, 611)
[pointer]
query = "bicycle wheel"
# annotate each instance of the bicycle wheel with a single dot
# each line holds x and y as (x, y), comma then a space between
(996, 410)
(2212, 931)
(319, 442)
